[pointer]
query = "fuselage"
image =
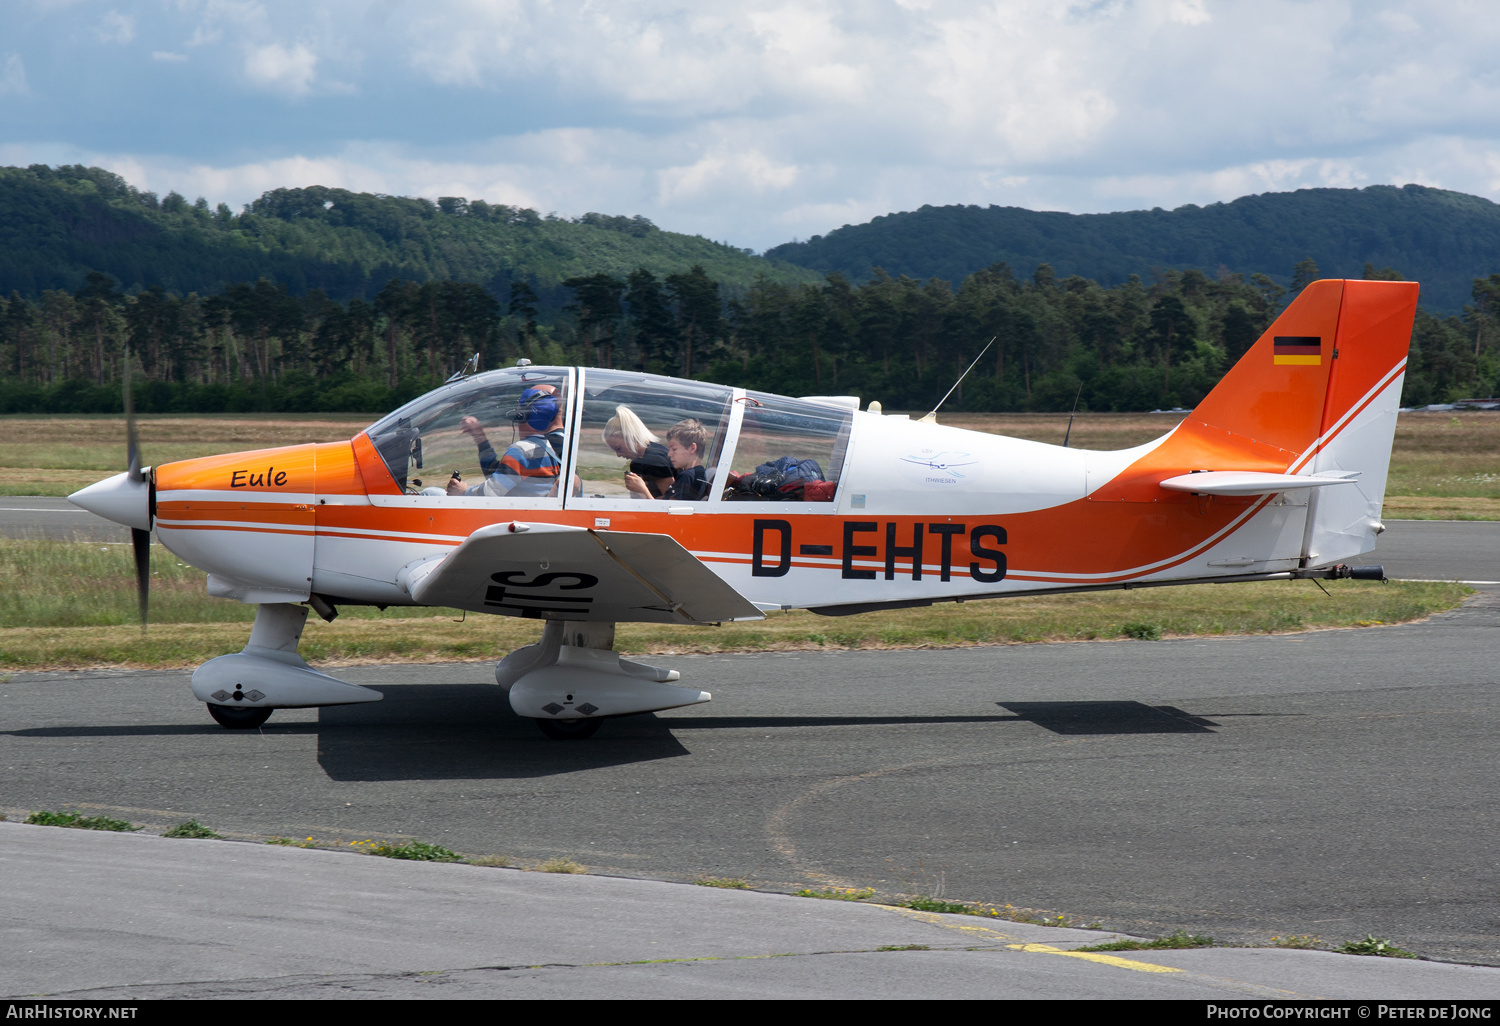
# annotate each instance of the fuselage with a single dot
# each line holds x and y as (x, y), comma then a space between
(907, 511)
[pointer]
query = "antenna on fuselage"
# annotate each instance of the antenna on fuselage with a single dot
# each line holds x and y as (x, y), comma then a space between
(931, 418)
(1069, 433)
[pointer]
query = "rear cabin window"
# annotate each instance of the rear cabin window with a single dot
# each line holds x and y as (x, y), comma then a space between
(789, 450)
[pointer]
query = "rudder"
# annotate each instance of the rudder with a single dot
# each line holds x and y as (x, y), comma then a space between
(1359, 418)
(1317, 393)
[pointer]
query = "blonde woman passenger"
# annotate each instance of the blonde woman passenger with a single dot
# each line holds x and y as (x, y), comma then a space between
(627, 435)
(630, 439)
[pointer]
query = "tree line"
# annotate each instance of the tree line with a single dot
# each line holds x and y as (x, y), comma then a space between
(1053, 341)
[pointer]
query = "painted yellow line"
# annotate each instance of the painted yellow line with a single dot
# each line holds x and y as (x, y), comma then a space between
(1094, 956)
(1045, 949)
(936, 920)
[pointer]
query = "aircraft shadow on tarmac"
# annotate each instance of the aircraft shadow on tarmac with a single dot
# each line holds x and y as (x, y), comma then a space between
(1109, 718)
(468, 731)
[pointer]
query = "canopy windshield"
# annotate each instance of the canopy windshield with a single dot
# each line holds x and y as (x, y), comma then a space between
(431, 439)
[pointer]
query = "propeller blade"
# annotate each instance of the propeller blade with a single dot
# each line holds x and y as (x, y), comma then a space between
(141, 542)
(132, 438)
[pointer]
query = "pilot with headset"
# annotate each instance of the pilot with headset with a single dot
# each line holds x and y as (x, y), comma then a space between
(532, 465)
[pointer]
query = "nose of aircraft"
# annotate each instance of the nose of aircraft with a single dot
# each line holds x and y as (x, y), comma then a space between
(119, 499)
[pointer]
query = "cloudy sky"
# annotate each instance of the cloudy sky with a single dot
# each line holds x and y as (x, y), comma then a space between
(758, 121)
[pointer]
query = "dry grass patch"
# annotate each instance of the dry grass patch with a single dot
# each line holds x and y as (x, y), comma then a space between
(1446, 454)
(561, 866)
(1103, 431)
(1440, 507)
(40, 481)
(97, 442)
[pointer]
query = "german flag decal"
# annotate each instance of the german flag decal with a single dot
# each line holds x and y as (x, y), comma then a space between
(1306, 350)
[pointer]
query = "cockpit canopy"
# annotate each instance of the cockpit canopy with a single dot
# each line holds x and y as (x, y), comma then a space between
(722, 443)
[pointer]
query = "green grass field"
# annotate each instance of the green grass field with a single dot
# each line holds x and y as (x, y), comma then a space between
(70, 604)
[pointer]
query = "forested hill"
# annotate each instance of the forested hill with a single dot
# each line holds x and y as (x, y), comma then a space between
(1442, 239)
(58, 224)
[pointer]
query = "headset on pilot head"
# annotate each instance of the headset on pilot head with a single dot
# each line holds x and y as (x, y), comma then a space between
(537, 408)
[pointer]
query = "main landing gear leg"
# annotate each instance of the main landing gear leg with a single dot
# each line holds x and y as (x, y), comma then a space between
(242, 689)
(572, 679)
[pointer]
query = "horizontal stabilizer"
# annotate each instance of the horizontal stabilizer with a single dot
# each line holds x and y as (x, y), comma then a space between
(1246, 482)
(553, 572)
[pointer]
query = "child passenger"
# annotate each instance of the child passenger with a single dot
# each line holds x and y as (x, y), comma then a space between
(686, 441)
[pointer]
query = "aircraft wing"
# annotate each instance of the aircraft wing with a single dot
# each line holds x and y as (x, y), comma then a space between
(552, 571)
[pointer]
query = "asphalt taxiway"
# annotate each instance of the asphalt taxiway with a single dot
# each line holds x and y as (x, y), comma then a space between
(92, 916)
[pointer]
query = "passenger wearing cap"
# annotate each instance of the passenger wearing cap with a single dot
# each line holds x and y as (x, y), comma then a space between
(530, 467)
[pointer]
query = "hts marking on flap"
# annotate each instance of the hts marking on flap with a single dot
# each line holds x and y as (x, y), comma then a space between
(533, 603)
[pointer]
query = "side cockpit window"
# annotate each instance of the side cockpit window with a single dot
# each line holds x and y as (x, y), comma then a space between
(496, 435)
(789, 450)
(648, 437)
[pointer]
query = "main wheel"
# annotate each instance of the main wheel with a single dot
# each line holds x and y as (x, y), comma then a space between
(569, 730)
(238, 717)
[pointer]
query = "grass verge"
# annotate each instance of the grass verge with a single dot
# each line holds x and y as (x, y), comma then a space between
(837, 893)
(192, 828)
(411, 851)
(79, 821)
(1171, 942)
(1373, 945)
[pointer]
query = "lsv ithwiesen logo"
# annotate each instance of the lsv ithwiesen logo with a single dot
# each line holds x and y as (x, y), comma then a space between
(939, 467)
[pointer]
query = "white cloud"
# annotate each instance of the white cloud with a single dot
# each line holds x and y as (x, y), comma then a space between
(724, 170)
(115, 27)
(282, 69)
(1188, 12)
(13, 76)
(773, 118)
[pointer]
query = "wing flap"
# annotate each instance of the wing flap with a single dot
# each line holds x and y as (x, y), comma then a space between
(550, 571)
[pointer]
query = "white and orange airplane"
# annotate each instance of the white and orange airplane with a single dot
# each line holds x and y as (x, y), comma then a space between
(767, 502)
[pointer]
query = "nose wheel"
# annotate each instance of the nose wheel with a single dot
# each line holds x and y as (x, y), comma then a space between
(238, 717)
(566, 730)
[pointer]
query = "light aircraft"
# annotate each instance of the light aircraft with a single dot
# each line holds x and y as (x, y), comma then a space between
(800, 503)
